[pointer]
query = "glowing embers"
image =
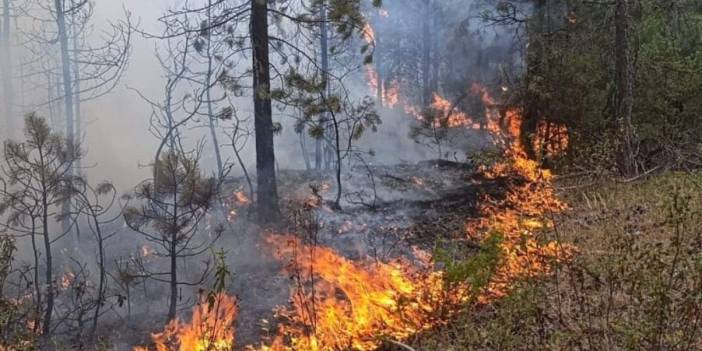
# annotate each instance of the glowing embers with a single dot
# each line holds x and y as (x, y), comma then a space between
(340, 304)
(210, 329)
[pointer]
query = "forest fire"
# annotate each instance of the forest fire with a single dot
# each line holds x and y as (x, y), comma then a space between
(391, 299)
(211, 328)
(350, 176)
(337, 303)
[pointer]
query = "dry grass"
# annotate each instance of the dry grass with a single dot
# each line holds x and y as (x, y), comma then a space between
(635, 284)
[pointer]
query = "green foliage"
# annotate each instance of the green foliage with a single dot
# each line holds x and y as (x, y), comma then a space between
(476, 270)
(570, 79)
(221, 272)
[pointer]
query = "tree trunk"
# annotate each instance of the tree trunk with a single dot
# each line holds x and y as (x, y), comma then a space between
(210, 108)
(174, 279)
(267, 192)
(35, 270)
(380, 91)
(625, 85)
(102, 272)
(324, 50)
(6, 69)
(67, 90)
(66, 69)
(49, 277)
(76, 81)
(426, 55)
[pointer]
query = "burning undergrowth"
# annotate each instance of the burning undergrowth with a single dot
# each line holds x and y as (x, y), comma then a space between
(344, 295)
(210, 329)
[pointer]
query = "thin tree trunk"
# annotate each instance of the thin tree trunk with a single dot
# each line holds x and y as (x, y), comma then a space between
(49, 277)
(380, 91)
(37, 287)
(267, 192)
(52, 105)
(210, 108)
(303, 148)
(625, 84)
(337, 201)
(434, 71)
(103, 274)
(76, 82)
(426, 55)
(324, 49)
(174, 279)
(67, 91)
(66, 69)
(6, 70)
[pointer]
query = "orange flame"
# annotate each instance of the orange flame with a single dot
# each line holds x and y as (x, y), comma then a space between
(210, 329)
(351, 302)
(241, 198)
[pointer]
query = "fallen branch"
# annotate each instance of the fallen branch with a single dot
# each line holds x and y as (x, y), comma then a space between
(404, 346)
(639, 176)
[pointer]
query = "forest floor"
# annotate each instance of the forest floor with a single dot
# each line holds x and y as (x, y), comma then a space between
(635, 282)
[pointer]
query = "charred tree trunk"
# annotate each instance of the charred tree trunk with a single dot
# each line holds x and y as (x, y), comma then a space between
(173, 300)
(625, 85)
(267, 192)
(6, 69)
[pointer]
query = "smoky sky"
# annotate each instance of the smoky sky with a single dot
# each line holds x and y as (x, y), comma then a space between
(116, 133)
